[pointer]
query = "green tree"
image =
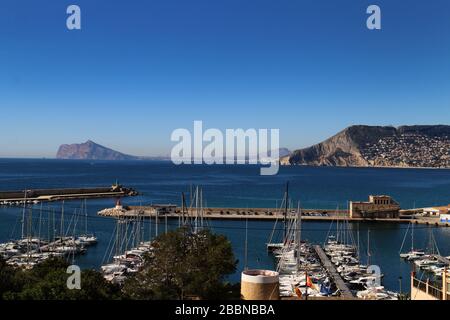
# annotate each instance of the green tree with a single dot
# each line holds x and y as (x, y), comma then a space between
(185, 265)
(8, 278)
(48, 281)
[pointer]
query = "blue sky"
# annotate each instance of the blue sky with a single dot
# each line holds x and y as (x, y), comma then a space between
(139, 69)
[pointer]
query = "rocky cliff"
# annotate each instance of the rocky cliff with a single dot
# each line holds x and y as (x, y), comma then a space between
(406, 146)
(90, 151)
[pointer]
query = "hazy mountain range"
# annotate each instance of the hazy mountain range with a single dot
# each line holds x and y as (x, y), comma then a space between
(90, 150)
(359, 145)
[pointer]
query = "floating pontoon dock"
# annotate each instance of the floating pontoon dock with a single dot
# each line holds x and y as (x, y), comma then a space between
(345, 291)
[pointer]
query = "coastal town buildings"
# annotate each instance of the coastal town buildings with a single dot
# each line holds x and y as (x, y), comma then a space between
(409, 150)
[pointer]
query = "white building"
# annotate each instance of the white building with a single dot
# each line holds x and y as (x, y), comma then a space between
(444, 217)
(431, 211)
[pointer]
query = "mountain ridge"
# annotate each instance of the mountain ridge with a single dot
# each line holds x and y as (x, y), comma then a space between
(387, 146)
(90, 150)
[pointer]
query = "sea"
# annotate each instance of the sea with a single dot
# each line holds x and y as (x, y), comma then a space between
(160, 182)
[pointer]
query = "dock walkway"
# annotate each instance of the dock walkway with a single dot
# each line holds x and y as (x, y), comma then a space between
(345, 291)
(262, 214)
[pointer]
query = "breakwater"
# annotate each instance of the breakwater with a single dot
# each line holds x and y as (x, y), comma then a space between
(18, 197)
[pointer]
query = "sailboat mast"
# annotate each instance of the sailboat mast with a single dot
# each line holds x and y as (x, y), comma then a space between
(286, 201)
(337, 225)
(412, 236)
(29, 225)
(368, 247)
(54, 225)
(156, 223)
(182, 208)
(357, 235)
(165, 223)
(298, 233)
(48, 224)
(23, 214)
(150, 227)
(196, 210)
(246, 245)
(29, 231)
(40, 223)
(185, 209)
(117, 236)
(86, 218)
(62, 221)
(201, 208)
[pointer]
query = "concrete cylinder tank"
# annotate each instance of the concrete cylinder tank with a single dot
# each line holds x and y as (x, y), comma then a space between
(260, 285)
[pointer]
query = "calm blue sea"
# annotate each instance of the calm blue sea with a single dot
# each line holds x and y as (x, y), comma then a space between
(237, 186)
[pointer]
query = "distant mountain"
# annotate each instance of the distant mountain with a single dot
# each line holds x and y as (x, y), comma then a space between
(282, 152)
(91, 151)
(360, 145)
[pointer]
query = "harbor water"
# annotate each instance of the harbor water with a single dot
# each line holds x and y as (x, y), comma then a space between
(236, 186)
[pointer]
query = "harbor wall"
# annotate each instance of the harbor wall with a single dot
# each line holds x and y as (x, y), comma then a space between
(20, 194)
(65, 193)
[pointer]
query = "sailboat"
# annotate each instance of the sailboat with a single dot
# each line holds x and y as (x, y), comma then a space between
(271, 245)
(341, 247)
(430, 262)
(413, 254)
(86, 238)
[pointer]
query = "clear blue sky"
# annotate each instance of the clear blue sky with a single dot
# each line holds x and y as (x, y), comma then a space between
(139, 69)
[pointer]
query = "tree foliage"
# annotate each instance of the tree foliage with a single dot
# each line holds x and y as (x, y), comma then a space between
(185, 265)
(182, 265)
(48, 281)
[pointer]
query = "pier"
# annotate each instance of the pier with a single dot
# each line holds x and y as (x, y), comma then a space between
(174, 212)
(262, 214)
(340, 284)
(47, 195)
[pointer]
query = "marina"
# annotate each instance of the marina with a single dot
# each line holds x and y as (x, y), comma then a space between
(331, 270)
(429, 261)
(132, 243)
(220, 159)
(301, 274)
(386, 236)
(34, 247)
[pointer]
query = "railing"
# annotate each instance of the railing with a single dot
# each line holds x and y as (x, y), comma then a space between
(435, 292)
(420, 284)
(428, 289)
